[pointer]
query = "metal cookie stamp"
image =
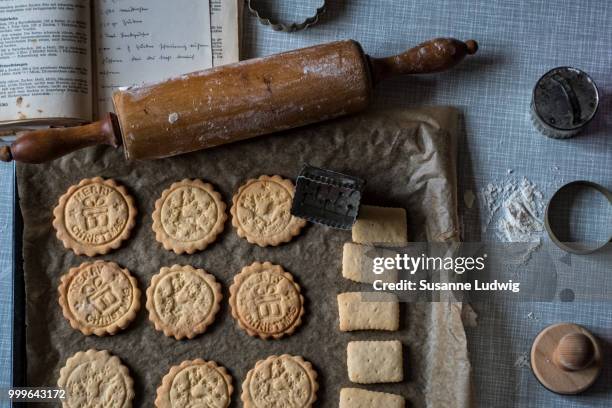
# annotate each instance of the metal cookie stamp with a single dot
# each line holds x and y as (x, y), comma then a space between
(326, 197)
(564, 101)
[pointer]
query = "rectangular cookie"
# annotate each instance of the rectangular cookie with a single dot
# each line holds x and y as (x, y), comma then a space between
(380, 225)
(358, 398)
(371, 362)
(368, 311)
(358, 264)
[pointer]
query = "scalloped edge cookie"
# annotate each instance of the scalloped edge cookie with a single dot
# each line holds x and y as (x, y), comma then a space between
(179, 247)
(91, 355)
(92, 250)
(123, 322)
(164, 389)
(257, 267)
(310, 371)
(293, 228)
(200, 327)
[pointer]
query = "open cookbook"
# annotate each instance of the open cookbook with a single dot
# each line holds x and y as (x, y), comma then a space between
(60, 61)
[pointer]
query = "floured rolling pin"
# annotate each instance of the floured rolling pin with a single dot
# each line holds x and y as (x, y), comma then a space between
(238, 101)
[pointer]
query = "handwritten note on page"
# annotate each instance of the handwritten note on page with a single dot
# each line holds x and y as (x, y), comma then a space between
(144, 41)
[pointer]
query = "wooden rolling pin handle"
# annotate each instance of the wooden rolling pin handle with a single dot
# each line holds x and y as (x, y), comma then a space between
(574, 352)
(39, 146)
(432, 56)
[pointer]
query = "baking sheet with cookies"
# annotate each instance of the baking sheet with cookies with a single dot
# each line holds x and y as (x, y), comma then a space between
(418, 173)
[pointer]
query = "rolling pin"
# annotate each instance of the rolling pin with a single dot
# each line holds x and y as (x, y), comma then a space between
(238, 101)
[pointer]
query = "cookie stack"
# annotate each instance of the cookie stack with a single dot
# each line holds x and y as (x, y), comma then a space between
(372, 362)
(101, 298)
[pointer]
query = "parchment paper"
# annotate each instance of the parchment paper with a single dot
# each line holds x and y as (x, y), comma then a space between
(407, 159)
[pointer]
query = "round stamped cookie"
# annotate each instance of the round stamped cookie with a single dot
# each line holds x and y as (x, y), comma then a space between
(196, 383)
(280, 381)
(99, 298)
(96, 379)
(182, 301)
(188, 216)
(261, 211)
(94, 216)
(265, 301)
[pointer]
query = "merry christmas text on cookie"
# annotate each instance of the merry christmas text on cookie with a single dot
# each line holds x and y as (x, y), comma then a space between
(99, 298)
(94, 216)
(265, 301)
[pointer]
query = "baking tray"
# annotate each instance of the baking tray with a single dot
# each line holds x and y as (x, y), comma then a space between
(418, 171)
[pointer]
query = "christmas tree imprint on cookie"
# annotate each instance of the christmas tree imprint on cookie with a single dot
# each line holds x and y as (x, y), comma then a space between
(261, 211)
(196, 383)
(188, 216)
(183, 301)
(280, 381)
(96, 379)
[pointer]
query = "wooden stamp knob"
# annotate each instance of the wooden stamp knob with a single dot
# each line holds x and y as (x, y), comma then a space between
(566, 358)
(574, 352)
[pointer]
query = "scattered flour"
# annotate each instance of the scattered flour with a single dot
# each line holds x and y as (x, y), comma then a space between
(515, 209)
(490, 197)
(173, 117)
(522, 361)
(520, 221)
(533, 316)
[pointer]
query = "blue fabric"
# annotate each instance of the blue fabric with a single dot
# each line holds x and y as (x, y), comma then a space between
(519, 41)
(7, 191)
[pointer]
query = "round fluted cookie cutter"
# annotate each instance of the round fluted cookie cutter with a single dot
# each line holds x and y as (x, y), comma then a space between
(286, 26)
(574, 248)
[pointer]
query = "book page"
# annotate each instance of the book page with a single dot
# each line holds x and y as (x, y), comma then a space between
(45, 61)
(144, 41)
(224, 30)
